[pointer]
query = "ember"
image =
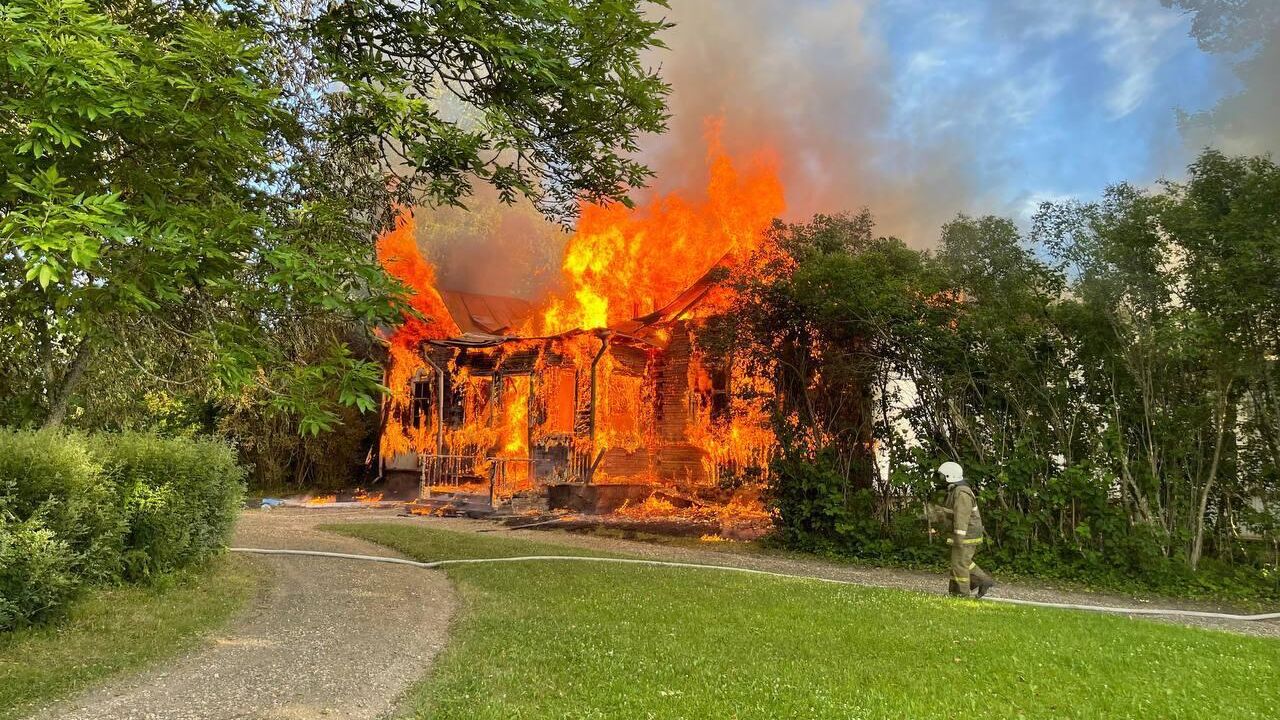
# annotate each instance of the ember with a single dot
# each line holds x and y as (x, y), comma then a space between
(361, 496)
(603, 384)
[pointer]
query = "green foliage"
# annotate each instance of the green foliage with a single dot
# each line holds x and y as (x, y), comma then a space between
(1109, 383)
(190, 191)
(77, 510)
(506, 92)
(56, 482)
(181, 498)
(36, 571)
(810, 497)
(140, 149)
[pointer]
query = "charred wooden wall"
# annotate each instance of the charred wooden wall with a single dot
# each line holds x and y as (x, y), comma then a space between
(672, 458)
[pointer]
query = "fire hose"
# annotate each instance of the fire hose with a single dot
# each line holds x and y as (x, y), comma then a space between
(436, 564)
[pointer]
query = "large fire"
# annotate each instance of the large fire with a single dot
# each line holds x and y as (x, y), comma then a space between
(623, 263)
(587, 377)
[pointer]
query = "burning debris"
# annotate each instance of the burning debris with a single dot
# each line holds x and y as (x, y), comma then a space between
(494, 401)
(359, 497)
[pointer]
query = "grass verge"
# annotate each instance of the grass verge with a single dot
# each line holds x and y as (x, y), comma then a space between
(564, 640)
(111, 630)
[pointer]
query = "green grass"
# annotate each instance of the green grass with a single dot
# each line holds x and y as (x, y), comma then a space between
(112, 630)
(566, 640)
(1245, 590)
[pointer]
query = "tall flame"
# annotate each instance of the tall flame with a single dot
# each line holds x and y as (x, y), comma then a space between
(399, 256)
(625, 262)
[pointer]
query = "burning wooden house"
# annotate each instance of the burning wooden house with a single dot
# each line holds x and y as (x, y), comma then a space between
(599, 399)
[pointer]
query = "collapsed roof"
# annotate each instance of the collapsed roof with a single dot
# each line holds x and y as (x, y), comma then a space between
(489, 320)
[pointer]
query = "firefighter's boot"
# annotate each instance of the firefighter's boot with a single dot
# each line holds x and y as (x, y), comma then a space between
(981, 581)
(954, 590)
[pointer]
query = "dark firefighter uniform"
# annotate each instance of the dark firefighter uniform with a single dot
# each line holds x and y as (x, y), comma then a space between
(966, 536)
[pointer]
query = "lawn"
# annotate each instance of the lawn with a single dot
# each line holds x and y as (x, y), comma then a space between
(576, 640)
(112, 630)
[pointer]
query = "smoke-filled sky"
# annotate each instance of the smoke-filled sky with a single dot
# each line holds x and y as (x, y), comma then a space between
(921, 109)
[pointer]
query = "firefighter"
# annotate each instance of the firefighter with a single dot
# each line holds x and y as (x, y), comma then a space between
(961, 510)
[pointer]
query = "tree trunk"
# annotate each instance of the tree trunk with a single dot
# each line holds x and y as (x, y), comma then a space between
(1197, 545)
(70, 380)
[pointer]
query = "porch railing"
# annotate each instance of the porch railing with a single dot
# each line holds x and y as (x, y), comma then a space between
(498, 476)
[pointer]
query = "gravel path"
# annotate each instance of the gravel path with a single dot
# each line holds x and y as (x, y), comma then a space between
(919, 581)
(330, 639)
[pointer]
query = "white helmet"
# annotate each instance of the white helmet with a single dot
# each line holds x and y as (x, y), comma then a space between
(951, 471)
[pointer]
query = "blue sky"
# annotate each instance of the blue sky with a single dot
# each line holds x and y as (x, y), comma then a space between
(1065, 98)
(920, 109)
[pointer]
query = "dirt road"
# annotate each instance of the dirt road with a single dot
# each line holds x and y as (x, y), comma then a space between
(329, 639)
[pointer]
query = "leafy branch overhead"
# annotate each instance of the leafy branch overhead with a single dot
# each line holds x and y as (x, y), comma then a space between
(541, 99)
(213, 176)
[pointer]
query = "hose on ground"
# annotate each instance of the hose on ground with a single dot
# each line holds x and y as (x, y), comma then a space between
(1174, 612)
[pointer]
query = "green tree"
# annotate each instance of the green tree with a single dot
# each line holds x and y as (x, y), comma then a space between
(1182, 281)
(542, 98)
(833, 320)
(210, 178)
(1224, 220)
(1108, 381)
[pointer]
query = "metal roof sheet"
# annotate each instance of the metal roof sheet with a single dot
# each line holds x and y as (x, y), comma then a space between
(480, 314)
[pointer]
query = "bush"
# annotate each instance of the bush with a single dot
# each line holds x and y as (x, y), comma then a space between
(819, 510)
(36, 572)
(180, 498)
(77, 510)
(810, 498)
(53, 477)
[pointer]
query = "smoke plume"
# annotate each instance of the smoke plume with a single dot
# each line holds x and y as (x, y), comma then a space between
(1244, 122)
(916, 110)
(811, 81)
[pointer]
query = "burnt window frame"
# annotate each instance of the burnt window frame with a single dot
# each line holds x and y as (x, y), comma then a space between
(720, 396)
(421, 399)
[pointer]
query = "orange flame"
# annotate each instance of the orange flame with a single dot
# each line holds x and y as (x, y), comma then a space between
(623, 262)
(363, 496)
(400, 257)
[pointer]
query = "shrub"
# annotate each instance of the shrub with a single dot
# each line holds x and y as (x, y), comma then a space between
(819, 509)
(78, 510)
(810, 498)
(180, 498)
(53, 477)
(36, 572)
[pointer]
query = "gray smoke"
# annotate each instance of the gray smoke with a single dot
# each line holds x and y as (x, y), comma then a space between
(916, 138)
(1246, 122)
(490, 247)
(812, 81)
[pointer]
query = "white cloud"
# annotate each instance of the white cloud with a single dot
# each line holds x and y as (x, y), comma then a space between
(1136, 39)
